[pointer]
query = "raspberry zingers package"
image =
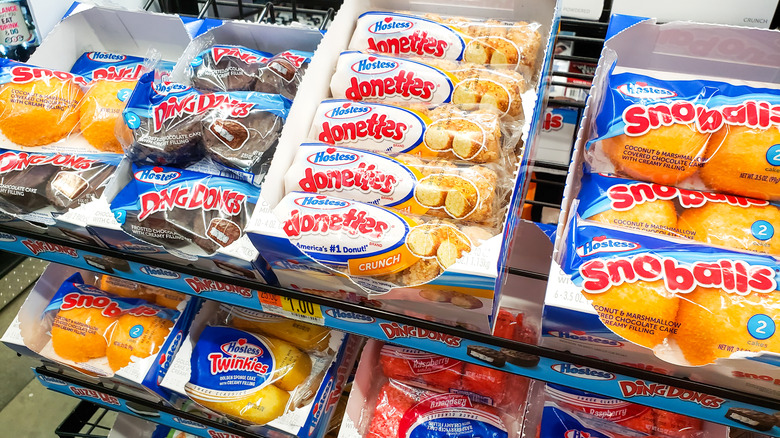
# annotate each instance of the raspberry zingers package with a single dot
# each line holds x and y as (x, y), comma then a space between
(718, 219)
(387, 79)
(454, 38)
(694, 134)
(402, 392)
(189, 211)
(444, 131)
(462, 192)
(376, 247)
(691, 304)
(173, 124)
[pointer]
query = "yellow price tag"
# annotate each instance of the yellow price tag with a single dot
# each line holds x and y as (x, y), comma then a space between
(303, 308)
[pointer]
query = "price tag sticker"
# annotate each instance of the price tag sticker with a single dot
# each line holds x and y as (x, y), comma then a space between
(292, 308)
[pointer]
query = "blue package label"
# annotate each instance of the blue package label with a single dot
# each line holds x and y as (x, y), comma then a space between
(114, 67)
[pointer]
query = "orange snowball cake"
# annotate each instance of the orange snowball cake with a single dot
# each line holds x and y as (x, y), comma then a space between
(754, 228)
(136, 336)
(99, 112)
(655, 217)
(81, 334)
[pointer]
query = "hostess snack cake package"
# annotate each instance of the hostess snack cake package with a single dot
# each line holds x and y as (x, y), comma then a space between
(691, 304)
(223, 67)
(405, 392)
(516, 45)
(705, 134)
(569, 410)
(261, 371)
(378, 248)
(364, 76)
(173, 124)
(188, 211)
(717, 219)
(107, 327)
(462, 192)
(445, 131)
(112, 78)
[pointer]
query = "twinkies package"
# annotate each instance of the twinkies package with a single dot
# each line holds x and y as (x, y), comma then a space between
(462, 192)
(376, 248)
(365, 76)
(445, 131)
(718, 219)
(249, 370)
(580, 413)
(515, 45)
(111, 77)
(173, 124)
(697, 134)
(187, 211)
(406, 392)
(117, 330)
(690, 304)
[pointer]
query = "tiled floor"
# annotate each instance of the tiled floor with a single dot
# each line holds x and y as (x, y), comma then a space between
(27, 409)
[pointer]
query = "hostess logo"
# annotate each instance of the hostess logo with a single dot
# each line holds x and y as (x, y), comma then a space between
(156, 175)
(105, 57)
(349, 316)
(641, 90)
(189, 423)
(166, 359)
(348, 111)
(51, 380)
(321, 202)
(603, 244)
(583, 337)
(373, 65)
(390, 25)
(331, 157)
(5, 237)
(168, 87)
(576, 433)
(582, 372)
(241, 348)
(160, 272)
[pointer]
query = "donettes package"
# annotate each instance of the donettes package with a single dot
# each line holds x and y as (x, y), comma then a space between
(191, 212)
(704, 134)
(365, 76)
(406, 392)
(714, 218)
(515, 45)
(444, 131)
(257, 370)
(106, 327)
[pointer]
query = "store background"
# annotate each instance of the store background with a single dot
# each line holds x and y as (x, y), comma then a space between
(29, 410)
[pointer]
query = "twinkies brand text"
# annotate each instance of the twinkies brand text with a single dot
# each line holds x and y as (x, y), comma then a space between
(405, 84)
(110, 308)
(354, 223)
(10, 161)
(640, 119)
(218, 52)
(366, 178)
(193, 104)
(118, 73)
(22, 74)
(198, 197)
(199, 285)
(639, 388)
(378, 127)
(733, 276)
(419, 43)
(394, 330)
(220, 364)
(626, 196)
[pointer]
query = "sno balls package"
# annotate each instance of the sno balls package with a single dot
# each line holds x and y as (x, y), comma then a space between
(173, 124)
(445, 131)
(377, 247)
(452, 38)
(690, 303)
(188, 211)
(252, 375)
(459, 191)
(718, 219)
(100, 332)
(364, 76)
(112, 79)
(694, 134)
